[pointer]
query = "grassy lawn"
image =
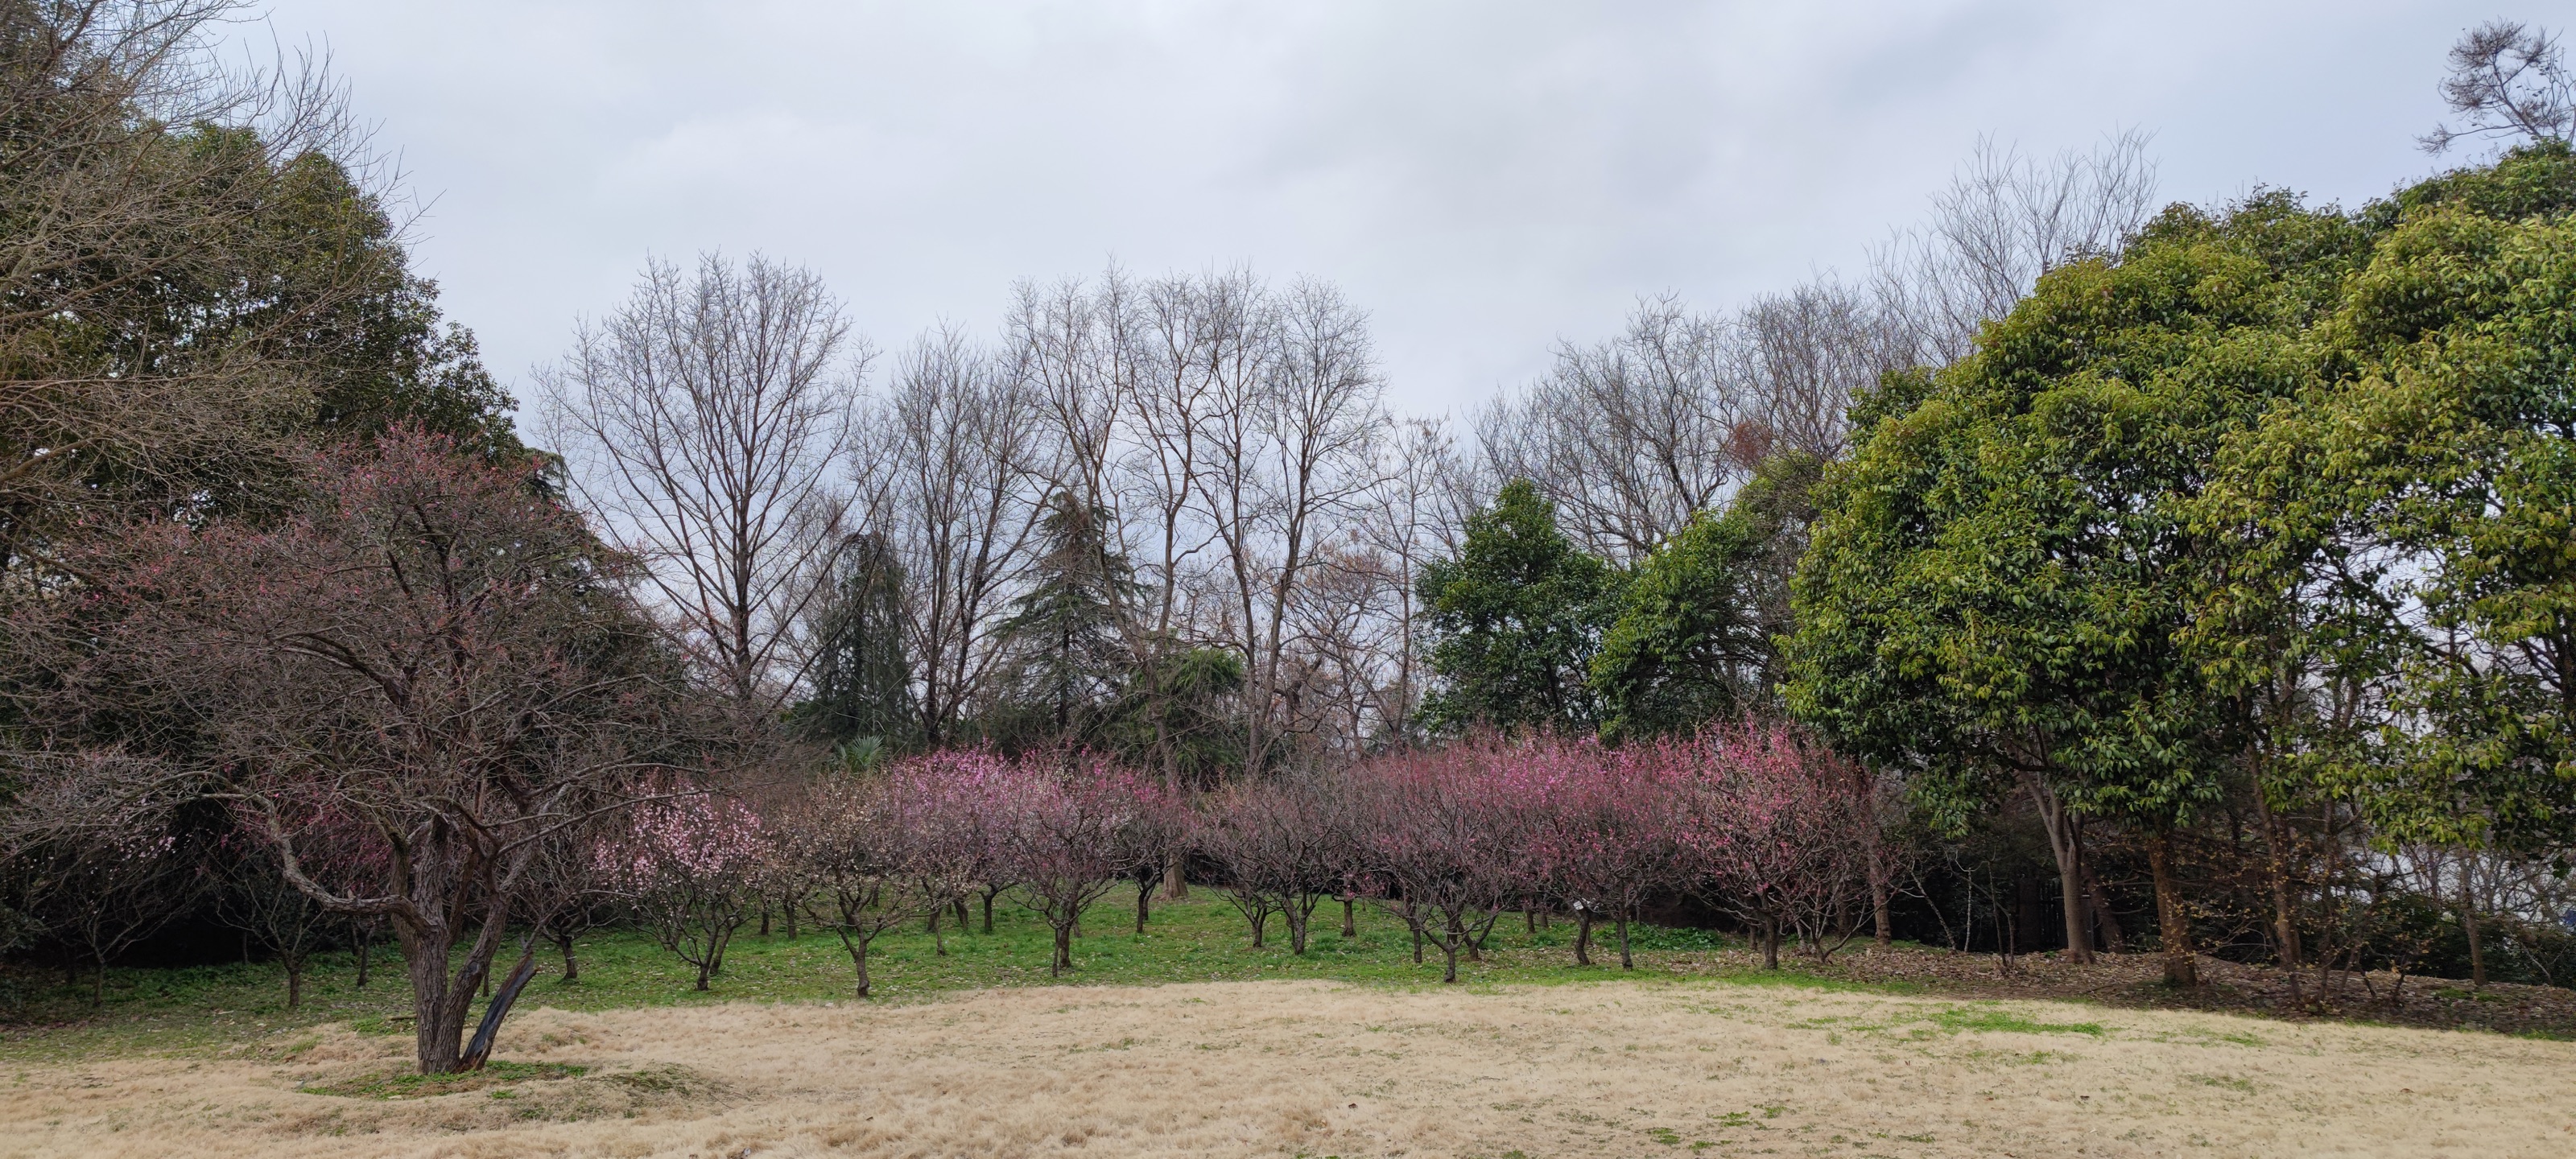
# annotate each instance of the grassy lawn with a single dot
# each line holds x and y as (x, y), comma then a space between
(1201, 939)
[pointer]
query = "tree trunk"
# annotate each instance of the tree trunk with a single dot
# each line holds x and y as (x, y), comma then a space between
(479, 1051)
(2276, 870)
(437, 1022)
(1583, 936)
(1770, 943)
(1063, 949)
(990, 892)
(294, 983)
(1625, 961)
(1350, 925)
(2173, 927)
(366, 950)
(858, 948)
(2469, 926)
(764, 919)
(1144, 898)
(1176, 884)
(2066, 844)
(1883, 923)
(2109, 923)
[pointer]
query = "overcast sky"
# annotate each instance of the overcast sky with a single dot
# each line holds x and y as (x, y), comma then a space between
(1483, 178)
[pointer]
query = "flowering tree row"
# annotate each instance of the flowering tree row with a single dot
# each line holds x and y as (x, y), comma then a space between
(868, 853)
(1751, 819)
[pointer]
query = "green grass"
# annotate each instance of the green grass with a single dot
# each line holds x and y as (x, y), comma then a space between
(404, 1085)
(1201, 939)
(1996, 1019)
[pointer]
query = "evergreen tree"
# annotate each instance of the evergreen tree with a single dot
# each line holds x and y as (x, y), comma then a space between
(1067, 658)
(1694, 637)
(2004, 569)
(1515, 620)
(862, 674)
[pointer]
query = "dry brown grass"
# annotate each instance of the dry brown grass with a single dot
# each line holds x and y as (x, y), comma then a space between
(1287, 1068)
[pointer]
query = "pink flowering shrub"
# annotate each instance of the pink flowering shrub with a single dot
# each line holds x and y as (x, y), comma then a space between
(1064, 822)
(1281, 849)
(1060, 828)
(1780, 832)
(1444, 838)
(1751, 818)
(857, 841)
(691, 867)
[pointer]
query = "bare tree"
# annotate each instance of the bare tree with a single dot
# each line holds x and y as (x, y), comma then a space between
(1073, 347)
(2006, 219)
(949, 473)
(1239, 327)
(703, 422)
(2507, 80)
(1320, 417)
(1403, 524)
(1629, 437)
(1803, 355)
(1182, 335)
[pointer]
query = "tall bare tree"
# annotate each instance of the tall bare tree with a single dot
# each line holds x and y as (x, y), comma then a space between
(2006, 218)
(2507, 80)
(1294, 433)
(1402, 524)
(1802, 356)
(1075, 348)
(950, 470)
(1628, 436)
(1180, 337)
(704, 422)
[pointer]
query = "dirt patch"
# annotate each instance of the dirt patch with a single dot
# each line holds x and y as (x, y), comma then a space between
(1282, 1068)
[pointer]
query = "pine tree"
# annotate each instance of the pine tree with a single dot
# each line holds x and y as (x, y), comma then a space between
(1067, 655)
(862, 677)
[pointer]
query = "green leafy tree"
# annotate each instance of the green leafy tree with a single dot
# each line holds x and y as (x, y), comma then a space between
(1199, 705)
(2400, 555)
(1693, 641)
(2001, 573)
(1515, 620)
